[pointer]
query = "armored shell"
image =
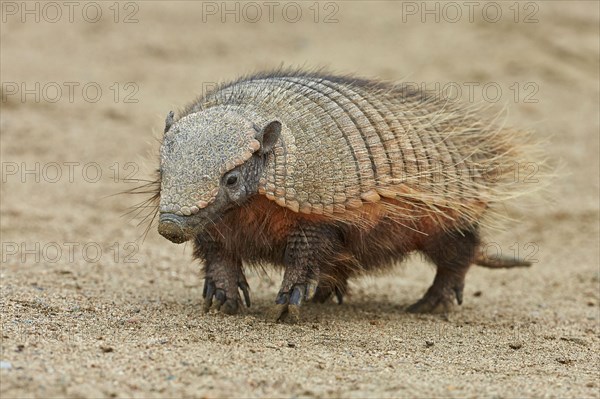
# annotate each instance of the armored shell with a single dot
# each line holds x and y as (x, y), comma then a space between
(348, 141)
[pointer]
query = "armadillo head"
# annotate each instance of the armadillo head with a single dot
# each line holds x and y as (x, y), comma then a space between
(210, 162)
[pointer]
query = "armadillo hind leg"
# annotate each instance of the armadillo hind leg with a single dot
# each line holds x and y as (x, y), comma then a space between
(306, 251)
(452, 253)
(222, 281)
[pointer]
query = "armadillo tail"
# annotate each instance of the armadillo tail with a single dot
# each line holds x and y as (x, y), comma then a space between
(500, 262)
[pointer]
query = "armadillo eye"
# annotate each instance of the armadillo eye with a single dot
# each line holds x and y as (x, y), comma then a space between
(231, 180)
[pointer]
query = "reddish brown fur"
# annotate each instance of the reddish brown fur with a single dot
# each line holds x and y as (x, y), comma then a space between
(372, 238)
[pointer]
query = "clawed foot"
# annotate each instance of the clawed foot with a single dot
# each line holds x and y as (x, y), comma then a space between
(287, 304)
(224, 296)
(438, 299)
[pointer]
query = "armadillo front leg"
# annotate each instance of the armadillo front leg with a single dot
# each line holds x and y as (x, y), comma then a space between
(307, 250)
(222, 282)
(223, 277)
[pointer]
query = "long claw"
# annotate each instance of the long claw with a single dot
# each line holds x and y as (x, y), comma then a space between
(205, 289)
(209, 292)
(297, 295)
(339, 295)
(459, 294)
(246, 292)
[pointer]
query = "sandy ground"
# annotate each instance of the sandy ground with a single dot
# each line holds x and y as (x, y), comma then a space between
(88, 310)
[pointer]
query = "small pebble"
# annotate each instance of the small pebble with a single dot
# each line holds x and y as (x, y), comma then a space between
(291, 345)
(106, 349)
(515, 345)
(429, 343)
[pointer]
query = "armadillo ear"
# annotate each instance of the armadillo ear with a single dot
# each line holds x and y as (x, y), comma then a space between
(268, 136)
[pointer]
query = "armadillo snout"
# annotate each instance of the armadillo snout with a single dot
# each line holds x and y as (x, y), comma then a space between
(173, 227)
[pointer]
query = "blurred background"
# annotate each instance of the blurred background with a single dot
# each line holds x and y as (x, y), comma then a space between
(85, 88)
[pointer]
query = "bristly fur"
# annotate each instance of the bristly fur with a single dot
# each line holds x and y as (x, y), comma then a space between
(146, 210)
(481, 166)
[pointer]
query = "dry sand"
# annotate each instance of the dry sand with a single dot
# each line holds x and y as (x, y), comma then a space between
(127, 322)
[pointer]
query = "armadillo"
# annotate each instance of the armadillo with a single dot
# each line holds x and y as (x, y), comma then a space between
(331, 177)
